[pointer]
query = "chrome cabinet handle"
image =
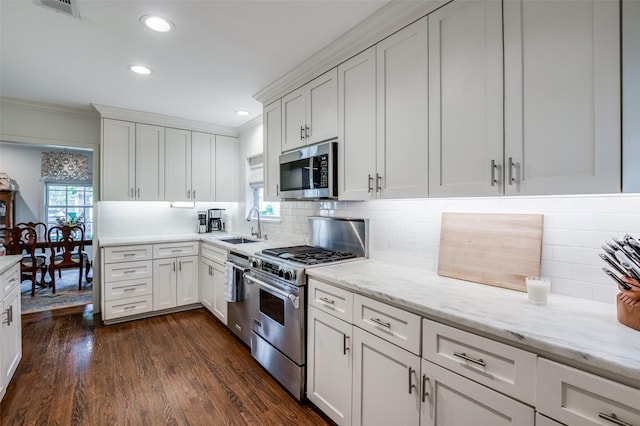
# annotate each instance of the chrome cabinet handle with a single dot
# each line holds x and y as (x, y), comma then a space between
(411, 384)
(378, 183)
(468, 358)
(344, 344)
(126, 308)
(277, 189)
(425, 393)
(307, 132)
(138, 192)
(380, 322)
(132, 195)
(301, 133)
(327, 300)
(613, 419)
(194, 194)
(174, 266)
(494, 167)
(370, 189)
(180, 266)
(9, 312)
(511, 165)
(128, 254)
(188, 194)
(131, 271)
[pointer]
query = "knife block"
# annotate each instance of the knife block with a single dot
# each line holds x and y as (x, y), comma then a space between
(628, 303)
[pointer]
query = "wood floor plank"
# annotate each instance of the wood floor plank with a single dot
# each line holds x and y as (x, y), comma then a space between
(178, 369)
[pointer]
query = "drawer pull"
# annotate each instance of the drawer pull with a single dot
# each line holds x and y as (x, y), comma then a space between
(613, 419)
(126, 290)
(425, 393)
(411, 384)
(380, 322)
(176, 251)
(126, 308)
(131, 271)
(345, 348)
(468, 358)
(129, 254)
(326, 300)
(12, 280)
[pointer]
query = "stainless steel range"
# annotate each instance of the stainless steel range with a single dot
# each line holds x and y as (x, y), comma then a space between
(276, 290)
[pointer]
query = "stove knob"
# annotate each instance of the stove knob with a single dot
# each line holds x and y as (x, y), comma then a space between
(288, 275)
(255, 263)
(281, 272)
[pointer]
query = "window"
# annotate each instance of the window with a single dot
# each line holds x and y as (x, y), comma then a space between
(268, 209)
(69, 203)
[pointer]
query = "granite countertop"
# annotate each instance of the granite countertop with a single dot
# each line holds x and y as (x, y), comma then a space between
(7, 262)
(575, 331)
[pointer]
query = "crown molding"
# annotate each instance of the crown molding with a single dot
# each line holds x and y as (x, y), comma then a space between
(116, 113)
(387, 20)
(48, 107)
(256, 121)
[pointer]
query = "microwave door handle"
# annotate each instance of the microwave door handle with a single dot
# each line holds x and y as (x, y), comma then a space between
(311, 172)
(295, 300)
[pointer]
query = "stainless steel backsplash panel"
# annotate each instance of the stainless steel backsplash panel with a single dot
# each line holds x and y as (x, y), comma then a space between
(340, 233)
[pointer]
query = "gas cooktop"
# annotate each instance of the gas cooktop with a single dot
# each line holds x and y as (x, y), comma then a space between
(308, 255)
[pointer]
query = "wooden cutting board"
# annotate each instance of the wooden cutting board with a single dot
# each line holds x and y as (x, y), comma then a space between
(491, 248)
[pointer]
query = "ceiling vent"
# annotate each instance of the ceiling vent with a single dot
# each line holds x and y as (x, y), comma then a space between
(66, 7)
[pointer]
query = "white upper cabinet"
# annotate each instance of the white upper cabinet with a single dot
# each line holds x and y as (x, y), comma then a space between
(118, 171)
(272, 136)
(562, 96)
(465, 99)
(177, 165)
(309, 114)
(357, 126)
(402, 101)
(382, 116)
(203, 160)
(226, 168)
(149, 163)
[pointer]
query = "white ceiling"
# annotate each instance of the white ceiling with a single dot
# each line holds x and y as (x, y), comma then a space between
(218, 56)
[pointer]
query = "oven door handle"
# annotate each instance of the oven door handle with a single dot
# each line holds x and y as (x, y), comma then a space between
(295, 300)
(236, 266)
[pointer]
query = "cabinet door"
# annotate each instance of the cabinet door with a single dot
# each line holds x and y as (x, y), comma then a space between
(206, 283)
(118, 166)
(452, 400)
(10, 335)
(294, 120)
(357, 126)
(386, 390)
(562, 94)
(187, 291)
(219, 302)
(322, 107)
(329, 366)
(226, 168)
(149, 163)
(402, 152)
(164, 283)
(272, 134)
(177, 167)
(203, 160)
(465, 99)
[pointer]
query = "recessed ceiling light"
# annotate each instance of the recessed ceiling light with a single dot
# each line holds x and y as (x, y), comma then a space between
(242, 112)
(140, 69)
(157, 23)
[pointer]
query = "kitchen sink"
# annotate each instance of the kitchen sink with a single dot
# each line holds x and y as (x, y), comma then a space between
(238, 240)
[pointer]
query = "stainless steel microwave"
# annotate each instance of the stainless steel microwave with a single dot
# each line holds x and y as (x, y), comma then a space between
(310, 173)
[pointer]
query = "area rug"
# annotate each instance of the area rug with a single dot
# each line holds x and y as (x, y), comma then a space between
(67, 294)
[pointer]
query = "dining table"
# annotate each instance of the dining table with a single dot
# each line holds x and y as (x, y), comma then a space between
(43, 244)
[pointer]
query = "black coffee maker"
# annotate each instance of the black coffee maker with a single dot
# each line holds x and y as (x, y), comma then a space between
(215, 221)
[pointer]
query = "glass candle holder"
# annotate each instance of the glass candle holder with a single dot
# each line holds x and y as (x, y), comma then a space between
(538, 289)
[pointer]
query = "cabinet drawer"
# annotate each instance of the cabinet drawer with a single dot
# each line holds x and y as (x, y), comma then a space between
(9, 280)
(330, 299)
(574, 397)
(501, 367)
(127, 253)
(128, 270)
(214, 253)
(188, 248)
(399, 327)
(127, 307)
(128, 288)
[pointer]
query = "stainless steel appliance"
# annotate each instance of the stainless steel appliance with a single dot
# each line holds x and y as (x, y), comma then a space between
(202, 222)
(310, 172)
(215, 221)
(276, 290)
(238, 311)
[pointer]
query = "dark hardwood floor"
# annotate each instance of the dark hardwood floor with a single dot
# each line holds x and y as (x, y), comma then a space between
(178, 369)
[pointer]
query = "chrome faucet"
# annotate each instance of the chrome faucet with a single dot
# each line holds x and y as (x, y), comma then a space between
(258, 233)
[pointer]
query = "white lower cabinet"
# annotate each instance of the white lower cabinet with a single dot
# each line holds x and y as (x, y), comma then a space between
(453, 400)
(176, 282)
(212, 281)
(575, 397)
(10, 326)
(386, 388)
(329, 365)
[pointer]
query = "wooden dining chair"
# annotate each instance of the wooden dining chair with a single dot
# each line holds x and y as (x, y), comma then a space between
(70, 242)
(22, 241)
(41, 234)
